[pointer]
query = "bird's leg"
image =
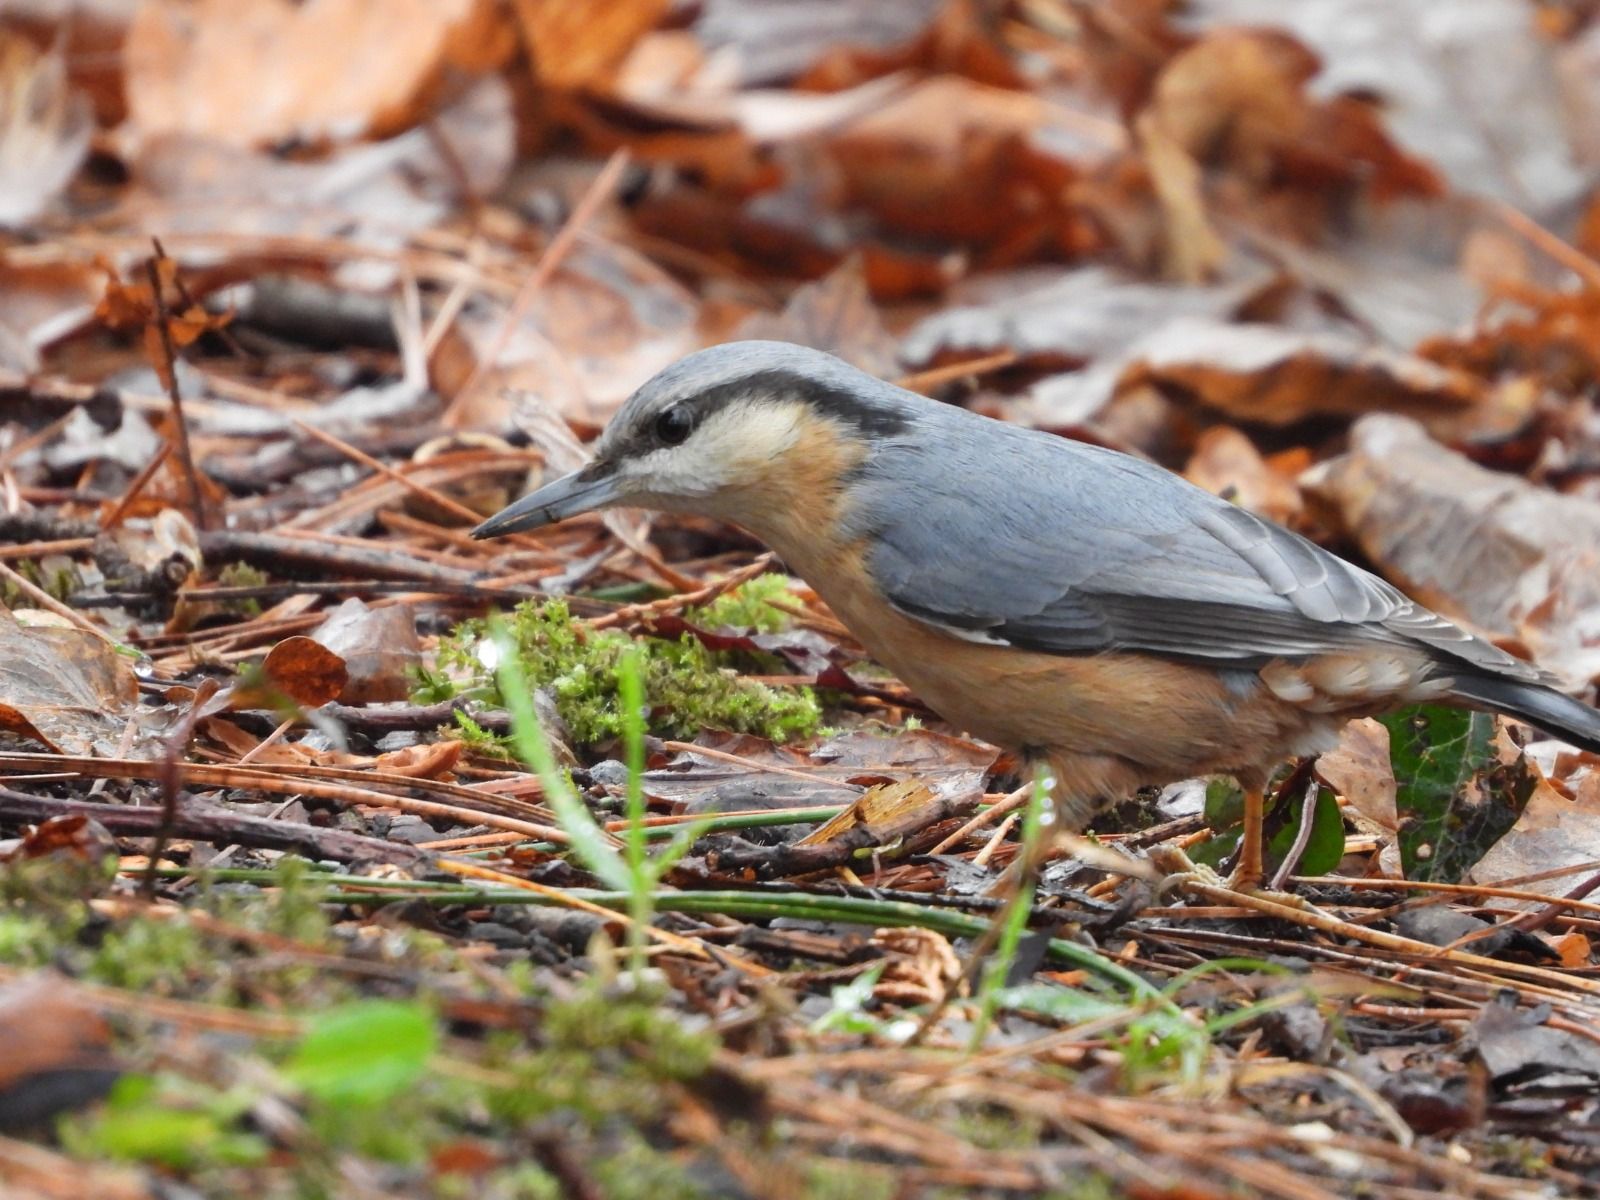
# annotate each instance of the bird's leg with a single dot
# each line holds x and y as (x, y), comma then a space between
(1247, 874)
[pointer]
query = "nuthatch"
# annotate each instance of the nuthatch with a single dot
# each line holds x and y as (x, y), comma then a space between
(1088, 609)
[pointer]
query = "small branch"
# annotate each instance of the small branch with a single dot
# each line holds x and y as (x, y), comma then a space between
(1302, 836)
(197, 507)
(214, 823)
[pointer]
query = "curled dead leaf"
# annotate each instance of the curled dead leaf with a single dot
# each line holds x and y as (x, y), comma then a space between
(1227, 463)
(1277, 376)
(66, 688)
(876, 806)
(44, 128)
(1481, 546)
(259, 72)
(299, 668)
(377, 647)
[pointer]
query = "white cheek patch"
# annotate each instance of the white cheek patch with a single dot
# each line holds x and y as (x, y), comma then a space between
(734, 447)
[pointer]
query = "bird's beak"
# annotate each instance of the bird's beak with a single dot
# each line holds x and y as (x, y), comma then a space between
(595, 486)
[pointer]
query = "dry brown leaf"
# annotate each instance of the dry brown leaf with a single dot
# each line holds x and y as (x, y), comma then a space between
(1472, 85)
(953, 765)
(1227, 463)
(66, 688)
(260, 72)
(434, 760)
(1237, 98)
(876, 806)
(44, 129)
(1192, 248)
(374, 193)
(303, 670)
(378, 647)
(957, 160)
(1359, 770)
(1480, 546)
(1551, 832)
(1277, 376)
(578, 45)
(603, 324)
(835, 314)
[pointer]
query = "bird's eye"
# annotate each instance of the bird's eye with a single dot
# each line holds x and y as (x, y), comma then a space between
(672, 427)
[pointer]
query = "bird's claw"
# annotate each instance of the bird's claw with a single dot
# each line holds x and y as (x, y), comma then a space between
(1180, 873)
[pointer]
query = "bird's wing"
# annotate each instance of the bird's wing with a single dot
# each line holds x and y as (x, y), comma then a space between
(1056, 546)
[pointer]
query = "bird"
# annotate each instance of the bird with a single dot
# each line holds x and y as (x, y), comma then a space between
(1091, 611)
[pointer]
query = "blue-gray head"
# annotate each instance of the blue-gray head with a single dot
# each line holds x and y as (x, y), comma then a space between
(745, 431)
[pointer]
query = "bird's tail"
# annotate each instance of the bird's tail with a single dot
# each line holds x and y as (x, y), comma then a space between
(1560, 716)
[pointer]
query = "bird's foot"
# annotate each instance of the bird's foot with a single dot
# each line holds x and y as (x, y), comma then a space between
(1182, 873)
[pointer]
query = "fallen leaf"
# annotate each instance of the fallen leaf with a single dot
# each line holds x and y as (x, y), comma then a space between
(1480, 546)
(378, 646)
(433, 760)
(1085, 318)
(876, 806)
(297, 668)
(1227, 463)
(953, 766)
(1277, 376)
(954, 160)
(1454, 793)
(775, 40)
(577, 45)
(602, 325)
(1360, 770)
(1518, 1047)
(1551, 833)
(66, 688)
(373, 193)
(1471, 85)
(44, 129)
(835, 314)
(259, 72)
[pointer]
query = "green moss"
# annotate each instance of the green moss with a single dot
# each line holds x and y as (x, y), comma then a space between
(603, 1057)
(32, 939)
(834, 1179)
(638, 1171)
(689, 688)
(239, 574)
(748, 606)
(999, 1129)
(146, 955)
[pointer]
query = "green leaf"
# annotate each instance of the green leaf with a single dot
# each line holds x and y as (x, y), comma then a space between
(1224, 806)
(1070, 1006)
(143, 1122)
(847, 1012)
(1223, 811)
(1455, 795)
(363, 1053)
(1326, 845)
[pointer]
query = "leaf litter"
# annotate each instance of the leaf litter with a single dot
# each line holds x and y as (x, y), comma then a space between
(281, 909)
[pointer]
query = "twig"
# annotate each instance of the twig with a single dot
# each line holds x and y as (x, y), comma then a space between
(168, 776)
(681, 600)
(215, 823)
(1302, 836)
(555, 253)
(140, 482)
(1007, 803)
(197, 507)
